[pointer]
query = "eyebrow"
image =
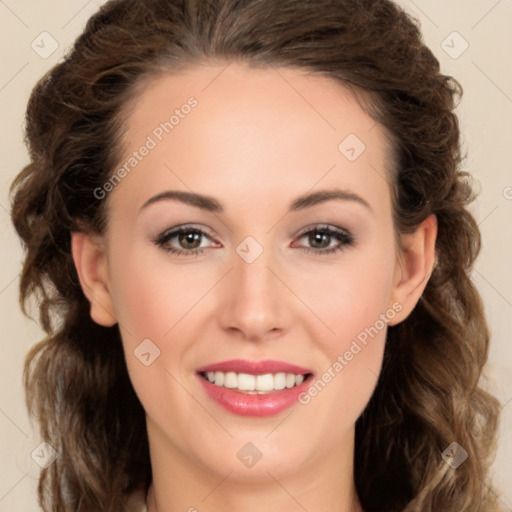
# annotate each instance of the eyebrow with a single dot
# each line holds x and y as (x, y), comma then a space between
(211, 204)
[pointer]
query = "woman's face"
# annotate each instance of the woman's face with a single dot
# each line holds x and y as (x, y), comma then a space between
(249, 287)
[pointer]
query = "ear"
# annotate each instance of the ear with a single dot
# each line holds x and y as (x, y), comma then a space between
(414, 267)
(91, 265)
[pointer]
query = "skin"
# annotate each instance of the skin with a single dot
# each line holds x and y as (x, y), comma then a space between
(257, 140)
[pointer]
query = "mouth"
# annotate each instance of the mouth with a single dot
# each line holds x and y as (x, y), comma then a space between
(254, 388)
(261, 384)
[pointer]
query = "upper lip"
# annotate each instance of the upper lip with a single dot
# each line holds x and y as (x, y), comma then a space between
(254, 367)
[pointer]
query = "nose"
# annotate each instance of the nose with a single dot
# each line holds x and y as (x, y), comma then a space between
(255, 302)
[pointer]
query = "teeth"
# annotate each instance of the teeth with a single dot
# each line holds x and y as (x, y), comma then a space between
(265, 382)
(230, 380)
(279, 380)
(218, 378)
(254, 384)
(290, 379)
(246, 382)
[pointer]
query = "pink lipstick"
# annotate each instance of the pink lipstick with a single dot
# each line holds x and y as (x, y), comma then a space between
(254, 388)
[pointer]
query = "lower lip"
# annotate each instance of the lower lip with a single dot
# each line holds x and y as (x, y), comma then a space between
(243, 404)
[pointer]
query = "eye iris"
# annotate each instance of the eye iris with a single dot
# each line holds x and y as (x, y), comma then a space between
(317, 237)
(188, 239)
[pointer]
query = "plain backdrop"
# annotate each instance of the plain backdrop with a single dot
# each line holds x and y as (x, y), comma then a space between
(473, 42)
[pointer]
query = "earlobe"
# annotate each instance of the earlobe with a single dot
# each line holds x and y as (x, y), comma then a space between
(91, 265)
(415, 266)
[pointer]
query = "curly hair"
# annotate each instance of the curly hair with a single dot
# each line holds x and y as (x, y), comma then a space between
(76, 381)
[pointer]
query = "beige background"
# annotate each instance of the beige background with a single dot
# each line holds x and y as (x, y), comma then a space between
(484, 69)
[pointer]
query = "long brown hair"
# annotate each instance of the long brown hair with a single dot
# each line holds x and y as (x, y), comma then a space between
(76, 379)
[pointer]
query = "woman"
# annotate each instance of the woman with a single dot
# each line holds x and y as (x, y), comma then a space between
(246, 225)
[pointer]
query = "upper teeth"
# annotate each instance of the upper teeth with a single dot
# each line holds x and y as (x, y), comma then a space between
(248, 382)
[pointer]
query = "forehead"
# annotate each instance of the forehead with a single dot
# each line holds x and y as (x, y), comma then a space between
(230, 124)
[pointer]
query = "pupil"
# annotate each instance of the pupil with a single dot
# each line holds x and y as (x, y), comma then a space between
(317, 237)
(187, 239)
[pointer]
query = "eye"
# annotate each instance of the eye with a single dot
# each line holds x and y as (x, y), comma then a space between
(183, 241)
(189, 240)
(321, 238)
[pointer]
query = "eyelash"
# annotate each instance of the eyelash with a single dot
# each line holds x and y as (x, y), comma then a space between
(343, 236)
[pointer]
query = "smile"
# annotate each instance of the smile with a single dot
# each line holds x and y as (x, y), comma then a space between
(255, 384)
(254, 388)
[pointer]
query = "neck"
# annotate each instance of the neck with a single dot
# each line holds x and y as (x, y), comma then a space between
(252, 502)
(180, 483)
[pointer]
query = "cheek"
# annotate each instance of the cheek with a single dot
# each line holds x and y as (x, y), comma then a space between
(350, 297)
(161, 301)
(351, 354)
(154, 300)
(352, 300)
(151, 296)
